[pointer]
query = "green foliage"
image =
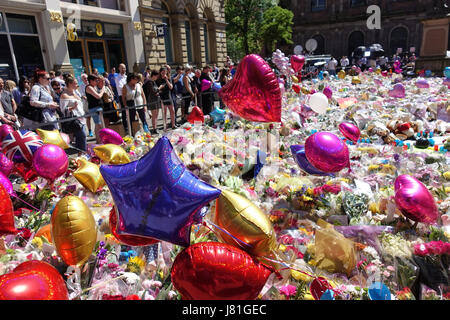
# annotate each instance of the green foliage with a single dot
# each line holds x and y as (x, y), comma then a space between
(277, 26)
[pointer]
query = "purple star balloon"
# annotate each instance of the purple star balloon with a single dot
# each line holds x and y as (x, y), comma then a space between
(157, 196)
(298, 151)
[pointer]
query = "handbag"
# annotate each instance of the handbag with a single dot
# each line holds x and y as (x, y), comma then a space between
(26, 110)
(71, 126)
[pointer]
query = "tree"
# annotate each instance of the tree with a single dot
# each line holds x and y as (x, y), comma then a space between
(277, 26)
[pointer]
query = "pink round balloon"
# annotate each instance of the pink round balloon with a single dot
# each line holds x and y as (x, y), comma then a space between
(297, 63)
(6, 165)
(328, 92)
(50, 161)
(4, 181)
(5, 129)
(398, 91)
(326, 152)
(414, 200)
(254, 92)
(350, 131)
(205, 85)
(109, 136)
(370, 69)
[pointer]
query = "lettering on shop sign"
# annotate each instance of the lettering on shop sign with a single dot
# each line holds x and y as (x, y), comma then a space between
(374, 20)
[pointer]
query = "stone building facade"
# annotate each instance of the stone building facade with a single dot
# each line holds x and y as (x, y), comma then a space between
(194, 32)
(339, 26)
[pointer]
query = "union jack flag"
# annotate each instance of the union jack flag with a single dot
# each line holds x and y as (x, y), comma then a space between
(20, 145)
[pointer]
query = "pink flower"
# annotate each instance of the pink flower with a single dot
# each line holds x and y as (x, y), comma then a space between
(390, 268)
(386, 273)
(288, 290)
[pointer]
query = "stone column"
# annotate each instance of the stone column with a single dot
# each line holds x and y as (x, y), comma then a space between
(134, 39)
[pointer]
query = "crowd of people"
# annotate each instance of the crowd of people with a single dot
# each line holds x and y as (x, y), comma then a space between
(58, 98)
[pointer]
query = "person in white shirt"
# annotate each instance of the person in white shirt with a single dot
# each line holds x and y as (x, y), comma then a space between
(332, 64)
(344, 62)
(121, 81)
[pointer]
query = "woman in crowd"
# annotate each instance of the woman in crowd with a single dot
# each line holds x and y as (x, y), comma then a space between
(94, 97)
(133, 95)
(224, 76)
(189, 90)
(108, 98)
(152, 93)
(41, 97)
(21, 90)
(72, 105)
(165, 86)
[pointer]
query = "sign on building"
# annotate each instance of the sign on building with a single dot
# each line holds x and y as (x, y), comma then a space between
(161, 30)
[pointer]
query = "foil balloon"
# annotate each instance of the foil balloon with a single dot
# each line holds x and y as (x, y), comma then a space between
(45, 231)
(196, 115)
(244, 225)
(6, 165)
(295, 79)
(88, 174)
(447, 72)
(298, 151)
(20, 145)
(5, 129)
(6, 213)
(50, 161)
(33, 280)
(328, 92)
(109, 136)
(206, 85)
(350, 131)
(326, 152)
(52, 137)
(297, 63)
(156, 196)
(6, 183)
(318, 102)
(422, 83)
(384, 73)
(26, 171)
(398, 91)
(318, 287)
(73, 230)
(254, 93)
(218, 271)
(356, 80)
(446, 82)
(414, 200)
(216, 86)
(379, 291)
(66, 138)
(341, 74)
(296, 88)
(134, 241)
(218, 115)
(112, 154)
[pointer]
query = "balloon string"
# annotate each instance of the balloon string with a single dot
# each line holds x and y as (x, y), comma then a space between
(223, 230)
(13, 195)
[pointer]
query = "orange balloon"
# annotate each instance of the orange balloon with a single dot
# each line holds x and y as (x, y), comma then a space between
(45, 231)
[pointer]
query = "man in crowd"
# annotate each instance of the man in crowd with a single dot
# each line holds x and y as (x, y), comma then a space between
(8, 103)
(177, 81)
(332, 64)
(59, 78)
(121, 81)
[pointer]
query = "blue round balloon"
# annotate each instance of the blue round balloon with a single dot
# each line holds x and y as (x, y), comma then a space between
(428, 73)
(379, 291)
(447, 72)
(327, 295)
(156, 196)
(298, 151)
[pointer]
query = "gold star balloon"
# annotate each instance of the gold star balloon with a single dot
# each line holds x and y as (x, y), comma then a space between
(341, 74)
(52, 137)
(73, 230)
(88, 174)
(356, 80)
(112, 154)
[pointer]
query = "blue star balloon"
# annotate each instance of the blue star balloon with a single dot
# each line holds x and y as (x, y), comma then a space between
(260, 162)
(218, 115)
(157, 196)
(298, 151)
(379, 291)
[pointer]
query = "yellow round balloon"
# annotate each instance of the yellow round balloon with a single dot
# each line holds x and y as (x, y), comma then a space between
(294, 79)
(88, 174)
(73, 230)
(356, 80)
(341, 74)
(112, 154)
(246, 222)
(52, 137)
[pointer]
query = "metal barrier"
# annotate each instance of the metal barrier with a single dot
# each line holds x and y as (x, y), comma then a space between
(158, 103)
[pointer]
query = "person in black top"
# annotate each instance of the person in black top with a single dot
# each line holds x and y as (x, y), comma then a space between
(151, 91)
(207, 96)
(8, 103)
(94, 97)
(165, 86)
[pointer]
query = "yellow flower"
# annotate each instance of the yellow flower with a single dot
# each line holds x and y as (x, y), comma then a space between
(447, 189)
(312, 262)
(282, 247)
(137, 261)
(310, 192)
(344, 180)
(161, 274)
(447, 175)
(308, 296)
(373, 167)
(300, 276)
(37, 241)
(373, 207)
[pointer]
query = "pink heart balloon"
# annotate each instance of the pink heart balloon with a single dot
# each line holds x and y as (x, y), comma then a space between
(5, 129)
(414, 200)
(326, 152)
(350, 131)
(398, 91)
(297, 63)
(109, 136)
(254, 93)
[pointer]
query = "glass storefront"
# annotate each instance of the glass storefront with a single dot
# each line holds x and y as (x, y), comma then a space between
(20, 52)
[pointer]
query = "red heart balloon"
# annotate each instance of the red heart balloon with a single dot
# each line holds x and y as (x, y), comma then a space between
(33, 280)
(134, 241)
(26, 171)
(196, 115)
(297, 63)
(254, 93)
(218, 271)
(318, 286)
(6, 213)
(296, 88)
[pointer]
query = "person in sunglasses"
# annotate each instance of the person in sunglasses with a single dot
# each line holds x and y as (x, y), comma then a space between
(57, 90)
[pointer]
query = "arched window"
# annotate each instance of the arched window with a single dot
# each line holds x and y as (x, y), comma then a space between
(206, 42)
(355, 40)
(209, 32)
(320, 44)
(188, 30)
(167, 34)
(399, 39)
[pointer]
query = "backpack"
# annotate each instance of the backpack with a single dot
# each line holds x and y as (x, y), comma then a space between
(26, 110)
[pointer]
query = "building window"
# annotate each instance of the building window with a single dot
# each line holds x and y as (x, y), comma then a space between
(168, 41)
(20, 53)
(399, 39)
(206, 42)
(355, 40)
(358, 3)
(320, 44)
(318, 5)
(187, 26)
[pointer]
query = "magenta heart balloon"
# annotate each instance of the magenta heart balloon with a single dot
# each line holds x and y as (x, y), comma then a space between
(50, 161)
(328, 92)
(5, 129)
(350, 131)
(297, 63)
(6, 183)
(109, 136)
(326, 152)
(254, 93)
(6, 165)
(422, 83)
(398, 91)
(414, 200)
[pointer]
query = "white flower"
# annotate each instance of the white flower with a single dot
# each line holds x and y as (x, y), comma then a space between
(172, 294)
